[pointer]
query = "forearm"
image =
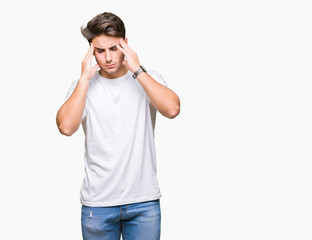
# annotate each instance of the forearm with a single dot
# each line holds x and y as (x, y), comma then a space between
(162, 98)
(69, 115)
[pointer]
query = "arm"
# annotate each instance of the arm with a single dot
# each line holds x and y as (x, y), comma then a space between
(69, 116)
(162, 98)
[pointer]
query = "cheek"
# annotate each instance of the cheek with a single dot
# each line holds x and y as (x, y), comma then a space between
(120, 56)
(98, 57)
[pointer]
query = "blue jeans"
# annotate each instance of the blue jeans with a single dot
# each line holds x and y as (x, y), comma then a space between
(138, 221)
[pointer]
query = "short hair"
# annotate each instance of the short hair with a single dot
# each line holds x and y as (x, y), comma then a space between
(105, 23)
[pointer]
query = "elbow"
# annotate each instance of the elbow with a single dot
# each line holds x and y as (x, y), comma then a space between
(174, 112)
(65, 131)
(65, 126)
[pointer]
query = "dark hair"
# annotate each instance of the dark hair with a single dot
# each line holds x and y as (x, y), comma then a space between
(105, 23)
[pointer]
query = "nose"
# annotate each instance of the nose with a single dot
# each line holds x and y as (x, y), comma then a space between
(108, 56)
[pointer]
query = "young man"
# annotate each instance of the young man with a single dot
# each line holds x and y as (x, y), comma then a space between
(120, 193)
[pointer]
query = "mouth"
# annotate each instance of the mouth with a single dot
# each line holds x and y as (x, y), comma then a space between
(110, 65)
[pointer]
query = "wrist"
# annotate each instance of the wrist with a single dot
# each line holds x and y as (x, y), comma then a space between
(139, 71)
(84, 80)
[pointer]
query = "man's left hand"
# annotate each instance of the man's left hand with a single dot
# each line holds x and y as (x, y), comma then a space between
(131, 58)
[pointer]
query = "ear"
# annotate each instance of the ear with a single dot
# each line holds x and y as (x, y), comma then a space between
(126, 40)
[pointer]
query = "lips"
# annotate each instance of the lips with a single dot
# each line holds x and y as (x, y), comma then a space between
(110, 65)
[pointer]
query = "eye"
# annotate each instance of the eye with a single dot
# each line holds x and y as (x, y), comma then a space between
(100, 50)
(113, 48)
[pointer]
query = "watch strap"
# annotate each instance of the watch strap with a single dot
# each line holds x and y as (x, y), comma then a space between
(140, 70)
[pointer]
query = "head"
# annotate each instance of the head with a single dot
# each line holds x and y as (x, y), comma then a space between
(105, 31)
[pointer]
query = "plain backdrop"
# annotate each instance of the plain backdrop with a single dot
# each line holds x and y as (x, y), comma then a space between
(236, 162)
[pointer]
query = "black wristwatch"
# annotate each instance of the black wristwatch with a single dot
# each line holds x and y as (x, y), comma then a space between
(140, 70)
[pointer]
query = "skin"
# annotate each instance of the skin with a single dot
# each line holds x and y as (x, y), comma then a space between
(114, 58)
(109, 57)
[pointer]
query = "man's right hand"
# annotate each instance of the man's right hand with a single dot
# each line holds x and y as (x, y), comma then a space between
(87, 71)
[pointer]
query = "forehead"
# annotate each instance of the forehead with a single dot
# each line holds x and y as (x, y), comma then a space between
(104, 41)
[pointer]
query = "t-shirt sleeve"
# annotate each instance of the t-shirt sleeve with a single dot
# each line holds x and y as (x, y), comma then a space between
(70, 92)
(157, 77)
(71, 89)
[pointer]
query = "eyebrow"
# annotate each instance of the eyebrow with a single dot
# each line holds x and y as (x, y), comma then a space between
(102, 49)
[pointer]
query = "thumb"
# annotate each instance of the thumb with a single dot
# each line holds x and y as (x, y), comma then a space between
(95, 67)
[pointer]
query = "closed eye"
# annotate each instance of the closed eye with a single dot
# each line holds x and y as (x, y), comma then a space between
(113, 48)
(100, 50)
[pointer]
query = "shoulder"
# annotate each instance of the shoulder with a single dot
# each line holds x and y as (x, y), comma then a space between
(75, 83)
(93, 80)
(153, 73)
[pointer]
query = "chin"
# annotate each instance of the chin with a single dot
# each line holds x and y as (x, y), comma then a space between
(109, 70)
(117, 70)
(112, 71)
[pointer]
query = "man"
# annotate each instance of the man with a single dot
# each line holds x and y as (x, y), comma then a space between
(120, 193)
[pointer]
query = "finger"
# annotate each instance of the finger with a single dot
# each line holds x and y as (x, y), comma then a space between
(129, 47)
(121, 49)
(91, 50)
(95, 67)
(89, 53)
(125, 46)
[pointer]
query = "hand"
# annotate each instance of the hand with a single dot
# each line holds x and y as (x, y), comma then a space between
(131, 59)
(87, 71)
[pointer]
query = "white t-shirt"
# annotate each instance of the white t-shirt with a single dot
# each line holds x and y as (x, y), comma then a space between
(120, 158)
